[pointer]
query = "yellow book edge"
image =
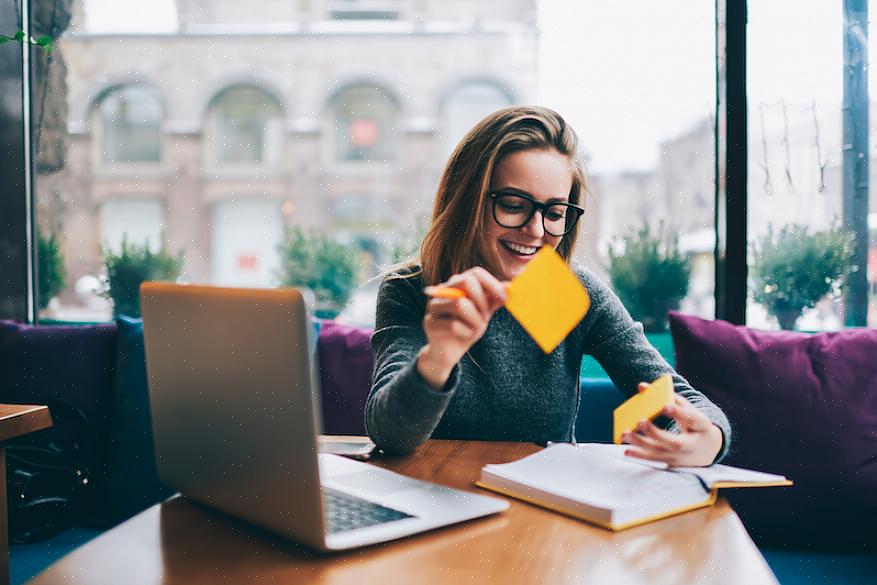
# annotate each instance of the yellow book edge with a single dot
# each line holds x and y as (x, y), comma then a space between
(746, 484)
(713, 496)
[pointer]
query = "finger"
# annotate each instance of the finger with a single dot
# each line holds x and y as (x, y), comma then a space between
(495, 290)
(645, 442)
(642, 387)
(448, 325)
(475, 292)
(440, 306)
(462, 309)
(452, 281)
(664, 439)
(442, 309)
(687, 416)
(460, 329)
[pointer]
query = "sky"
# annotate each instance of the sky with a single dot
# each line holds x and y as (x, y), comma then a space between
(130, 15)
(623, 81)
(630, 75)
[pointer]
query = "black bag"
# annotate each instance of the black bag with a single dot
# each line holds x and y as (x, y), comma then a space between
(46, 481)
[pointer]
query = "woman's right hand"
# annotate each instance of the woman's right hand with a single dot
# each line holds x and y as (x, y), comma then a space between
(452, 326)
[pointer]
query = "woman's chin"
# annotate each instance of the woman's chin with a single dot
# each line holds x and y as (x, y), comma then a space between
(513, 269)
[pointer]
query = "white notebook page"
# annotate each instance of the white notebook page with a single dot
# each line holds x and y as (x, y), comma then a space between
(599, 478)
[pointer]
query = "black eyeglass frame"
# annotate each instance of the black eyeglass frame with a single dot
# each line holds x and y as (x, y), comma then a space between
(537, 205)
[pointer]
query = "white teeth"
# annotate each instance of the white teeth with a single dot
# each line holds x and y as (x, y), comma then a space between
(521, 249)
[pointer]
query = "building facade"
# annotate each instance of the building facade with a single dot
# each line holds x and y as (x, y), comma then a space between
(246, 118)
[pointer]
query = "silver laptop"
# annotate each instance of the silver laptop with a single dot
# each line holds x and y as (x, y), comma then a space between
(235, 416)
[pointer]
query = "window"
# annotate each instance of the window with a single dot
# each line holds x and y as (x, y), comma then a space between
(363, 212)
(643, 106)
(138, 221)
(246, 126)
(129, 125)
(798, 154)
(363, 9)
(464, 107)
(364, 122)
(245, 234)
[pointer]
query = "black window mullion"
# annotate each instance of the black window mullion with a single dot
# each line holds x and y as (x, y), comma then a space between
(731, 162)
(14, 220)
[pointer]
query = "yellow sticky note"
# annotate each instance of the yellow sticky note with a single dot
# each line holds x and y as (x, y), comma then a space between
(547, 299)
(644, 406)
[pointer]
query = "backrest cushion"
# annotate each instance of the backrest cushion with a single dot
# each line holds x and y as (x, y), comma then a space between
(600, 398)
(345, 361)
(131, 478)
(69, 366)
(801, 405)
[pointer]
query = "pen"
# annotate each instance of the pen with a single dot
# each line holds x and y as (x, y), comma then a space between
(444, 292)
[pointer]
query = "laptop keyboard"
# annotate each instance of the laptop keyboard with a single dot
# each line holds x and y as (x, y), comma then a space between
(346, 512)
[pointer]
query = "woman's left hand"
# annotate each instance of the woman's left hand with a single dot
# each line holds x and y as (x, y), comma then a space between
(696, 445)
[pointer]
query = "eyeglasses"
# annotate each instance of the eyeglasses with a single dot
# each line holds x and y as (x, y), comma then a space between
(514, 210)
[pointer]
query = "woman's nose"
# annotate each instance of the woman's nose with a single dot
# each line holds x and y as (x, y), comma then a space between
(536, 226)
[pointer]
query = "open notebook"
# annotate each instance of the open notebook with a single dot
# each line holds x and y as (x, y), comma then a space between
(598, 483)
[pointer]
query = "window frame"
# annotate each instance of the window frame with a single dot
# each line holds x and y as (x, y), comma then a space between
(331, 135)
(100, 164)
(731, 150)
(18, 263)
(730, 186)
(272, 151)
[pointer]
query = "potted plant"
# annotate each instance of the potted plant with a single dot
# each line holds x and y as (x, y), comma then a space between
(794, 269)
(325, 266)
(50, 268)
(132, 265)
(650, 276)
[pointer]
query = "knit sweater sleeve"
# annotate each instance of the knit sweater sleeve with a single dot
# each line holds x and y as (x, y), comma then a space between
(619, 344)
(402, 411)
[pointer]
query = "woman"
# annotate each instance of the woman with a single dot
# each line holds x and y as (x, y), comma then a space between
(464, 368)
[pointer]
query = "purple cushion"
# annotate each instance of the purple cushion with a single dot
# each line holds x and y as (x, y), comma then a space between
(346, 362)
(801, 405)
(71, 366)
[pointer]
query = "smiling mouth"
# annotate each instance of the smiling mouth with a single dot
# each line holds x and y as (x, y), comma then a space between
(518, 249)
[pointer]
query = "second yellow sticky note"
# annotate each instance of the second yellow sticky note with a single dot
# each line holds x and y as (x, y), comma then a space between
(644, 406)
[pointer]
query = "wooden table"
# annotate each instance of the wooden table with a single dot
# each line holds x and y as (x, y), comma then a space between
(15, 420)
(181, 542)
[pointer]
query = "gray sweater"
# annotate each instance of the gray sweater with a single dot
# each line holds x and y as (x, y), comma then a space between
(505, 388)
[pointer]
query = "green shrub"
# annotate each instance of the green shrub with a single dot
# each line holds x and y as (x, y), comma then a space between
(134, 264)
(326, 267)
(650, 277)
(795, 269)
(50, 268)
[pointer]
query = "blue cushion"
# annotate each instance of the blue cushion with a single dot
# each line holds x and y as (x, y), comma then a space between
(131, 479)
(594, 418)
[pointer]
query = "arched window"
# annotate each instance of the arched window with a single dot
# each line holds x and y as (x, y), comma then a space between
(364, 119)
(465, 107)
(245, 126)
(130, 125)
